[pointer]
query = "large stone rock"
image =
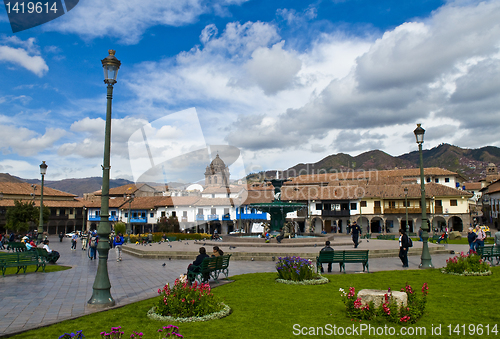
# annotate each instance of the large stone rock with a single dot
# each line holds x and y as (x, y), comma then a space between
(378, 298)
(454, 235)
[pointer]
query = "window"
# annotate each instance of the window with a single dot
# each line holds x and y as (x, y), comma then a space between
(436, 180)
(200, 211)
(354, 206)
(404, 204)
(242, 210)
(428, 179)
(226, 210)
(318, 207)
(143, 214)
(327, 207)
(213, 211)
(453, 202)
(162, 214)
(97, 213)
(70, 211)
(392, 204)
(377, 203)
(213, 195)
(446, 179)
(151, 215)
(126, 215)
(134, 215)
(113, 213)
(362, 203)
(184, 214)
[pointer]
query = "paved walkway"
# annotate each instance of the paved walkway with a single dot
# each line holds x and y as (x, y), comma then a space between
(33, 300)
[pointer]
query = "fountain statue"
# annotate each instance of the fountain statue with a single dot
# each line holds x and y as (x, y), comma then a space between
(278, 209)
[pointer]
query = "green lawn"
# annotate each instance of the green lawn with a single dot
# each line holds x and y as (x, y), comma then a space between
(31, 269)
(265, 309)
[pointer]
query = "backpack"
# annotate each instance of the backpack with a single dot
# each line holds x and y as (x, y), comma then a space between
(410, 242)
(93, 241)
(117, 239)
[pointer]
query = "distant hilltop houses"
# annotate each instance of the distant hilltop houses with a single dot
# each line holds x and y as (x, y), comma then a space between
(376, 200)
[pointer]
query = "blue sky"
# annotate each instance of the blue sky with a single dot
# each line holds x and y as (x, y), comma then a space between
(283, 82)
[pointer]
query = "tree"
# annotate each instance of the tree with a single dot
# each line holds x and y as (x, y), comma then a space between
(120, 227)
(169, 225)
(20, 217)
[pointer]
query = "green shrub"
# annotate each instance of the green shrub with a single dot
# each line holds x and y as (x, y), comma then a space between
(120, 227)
(466, 263)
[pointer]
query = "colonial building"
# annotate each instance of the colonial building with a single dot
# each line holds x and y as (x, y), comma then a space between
(66, 211)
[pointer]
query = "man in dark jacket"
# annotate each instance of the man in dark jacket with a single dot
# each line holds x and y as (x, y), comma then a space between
(355, 232)
(403, 247)
(327, 248)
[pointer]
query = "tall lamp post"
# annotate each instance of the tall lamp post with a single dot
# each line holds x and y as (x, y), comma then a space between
(406, 207)
(130, 199)
(43, 170)
(101, 295)
(425, 259)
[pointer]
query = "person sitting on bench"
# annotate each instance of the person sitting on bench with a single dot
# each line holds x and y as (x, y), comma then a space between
(327, 248)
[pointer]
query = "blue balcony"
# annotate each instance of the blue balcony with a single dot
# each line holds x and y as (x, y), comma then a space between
(139, 220)
(98, 218)
(254, 216)
(212, 217)
(200, 217)
(226, 217)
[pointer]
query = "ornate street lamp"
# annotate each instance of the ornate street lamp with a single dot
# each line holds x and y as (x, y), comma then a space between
(406, 207)
(43, 170)
(425, 259)
(101, 295)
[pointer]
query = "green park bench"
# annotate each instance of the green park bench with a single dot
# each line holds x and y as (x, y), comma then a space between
(343, 257)
(352, 256)
(45, 256)
(489, 253)
(324, 257)
(21, 260)
(16, 247)
(210, 267)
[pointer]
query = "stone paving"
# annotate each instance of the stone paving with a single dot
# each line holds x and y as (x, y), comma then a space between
(33, 300)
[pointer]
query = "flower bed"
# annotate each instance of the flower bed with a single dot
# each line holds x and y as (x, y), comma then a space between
(296, 269)
(388, 310)
(187, 303)
(467, 265)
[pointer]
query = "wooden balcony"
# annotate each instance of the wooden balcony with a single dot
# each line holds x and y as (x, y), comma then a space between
(391, 210)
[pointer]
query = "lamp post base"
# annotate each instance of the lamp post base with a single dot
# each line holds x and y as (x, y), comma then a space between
(425, 259)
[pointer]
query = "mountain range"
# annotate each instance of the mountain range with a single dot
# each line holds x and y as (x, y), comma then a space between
(470, 163)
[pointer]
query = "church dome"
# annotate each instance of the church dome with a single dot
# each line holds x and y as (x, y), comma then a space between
(217, 163)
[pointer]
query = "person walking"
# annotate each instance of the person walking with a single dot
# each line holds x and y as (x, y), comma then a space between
(94, 240)
(471, 238)
(74, 237)
(403, 247)
(61, 236)
(355, 232)
(85, 240)
(327, 248)
(117, 243)
(480, 238)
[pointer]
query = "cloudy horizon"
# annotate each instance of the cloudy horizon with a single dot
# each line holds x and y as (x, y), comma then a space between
(284, 82)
